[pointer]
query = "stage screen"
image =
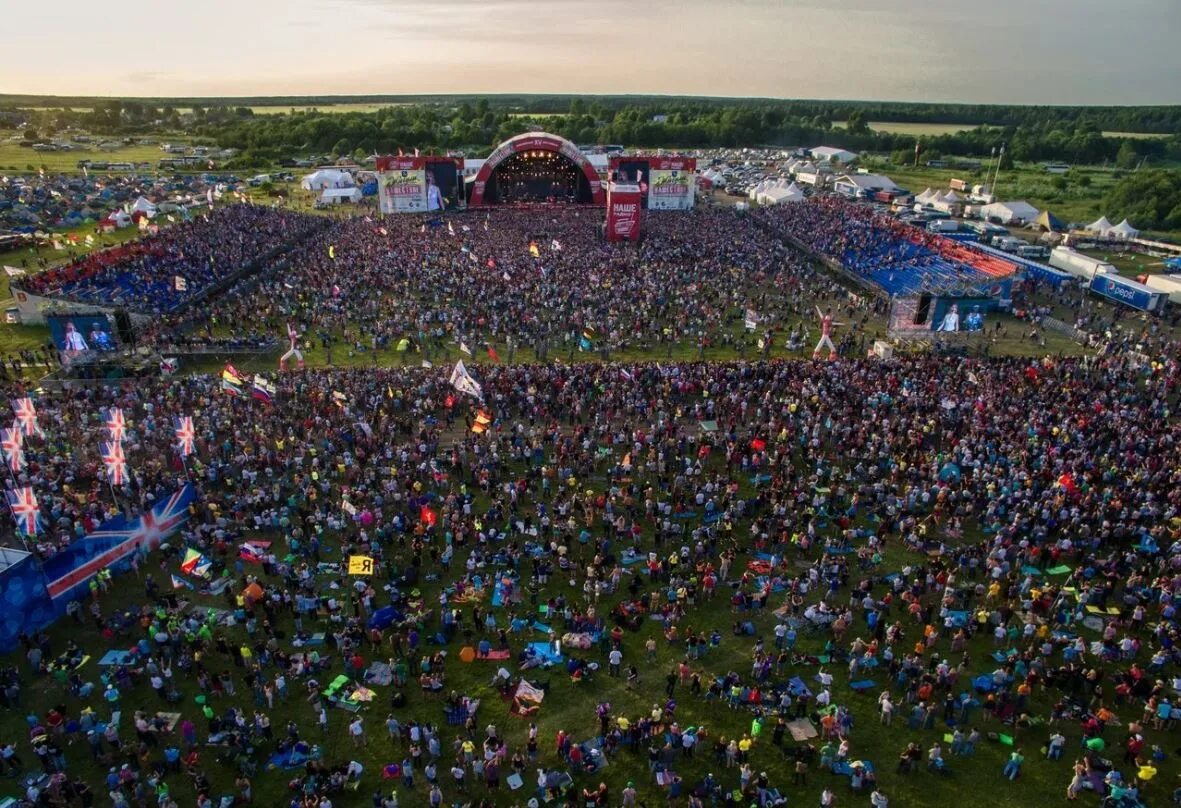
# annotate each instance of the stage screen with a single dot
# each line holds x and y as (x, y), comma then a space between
(76, 334)
(419, 184)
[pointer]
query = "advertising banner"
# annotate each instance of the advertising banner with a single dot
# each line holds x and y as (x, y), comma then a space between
(670, 189)
(402, 190)
(623, 212)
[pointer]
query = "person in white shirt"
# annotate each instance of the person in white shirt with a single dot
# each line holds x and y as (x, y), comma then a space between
(878, 800)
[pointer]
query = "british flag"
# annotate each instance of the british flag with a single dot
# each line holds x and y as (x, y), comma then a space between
(115, 461)
(26, 415)
(13, 445)
(186, 436)
(25, 510)
(116, 540)
(116, 424)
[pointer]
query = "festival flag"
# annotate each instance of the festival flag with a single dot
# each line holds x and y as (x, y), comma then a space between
(360, 565)
(428, 517)
(450, 229)
(89, 240)
(13, 272)
(253, 551)
(26, 415)
(485, 224)
(465, 228)
(555, 245)
(464, 349)
(462, 381)
(758, 445)
(428, 364)
(231, 381)
(115, 461)
(12, 444)
(116, 424)
(263, 390)
(626, 375)
(492, 354)
(383, 231)
(180, 284)
(25, 510)
(534, 250)
(169, 365)
(186, 436)
(587, 341)
(192, 560)
(492, 263)
(751, 321)
(507, 277)
(449, 401)
(482, 422)
(332, 251)
(180, 583)
(340, 399)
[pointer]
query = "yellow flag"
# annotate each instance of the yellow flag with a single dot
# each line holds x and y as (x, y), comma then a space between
(332, 251)
(360, 565)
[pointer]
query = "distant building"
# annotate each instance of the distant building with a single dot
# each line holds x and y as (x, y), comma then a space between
(659, 119)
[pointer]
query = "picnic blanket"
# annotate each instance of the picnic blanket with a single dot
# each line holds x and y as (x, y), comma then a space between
(545, 651)
(801, 729)
(115, 658)
(498, 654)
(379, 673)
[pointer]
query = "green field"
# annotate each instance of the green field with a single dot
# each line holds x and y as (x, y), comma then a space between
(330, 108)
(1138, 135)
(917, 129)
(22, 159)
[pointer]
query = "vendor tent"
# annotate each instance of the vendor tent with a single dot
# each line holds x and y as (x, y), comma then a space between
(337, 195)
(1100, 226)
(327, 178)
(1124, 230)
(1048, 221)
(143, 205)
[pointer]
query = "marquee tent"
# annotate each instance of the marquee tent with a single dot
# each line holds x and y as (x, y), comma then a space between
(1124, 230)
(327, 178)
(1101, 226)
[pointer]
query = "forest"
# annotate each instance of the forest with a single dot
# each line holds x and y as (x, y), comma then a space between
(1126, 138)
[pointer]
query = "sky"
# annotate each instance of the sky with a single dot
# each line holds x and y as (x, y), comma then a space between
(993, 51)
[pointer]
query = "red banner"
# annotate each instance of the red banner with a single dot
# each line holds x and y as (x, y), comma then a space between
(623, 212)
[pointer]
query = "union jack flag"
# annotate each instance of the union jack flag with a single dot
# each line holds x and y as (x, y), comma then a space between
(116, 424)
(185, 435)
(13, 445)
(119, 538)
(26, 415)
(25, 510)
(115, 461)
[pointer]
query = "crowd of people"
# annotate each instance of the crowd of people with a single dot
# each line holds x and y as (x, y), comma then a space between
(161, 272)
(740, 573)
(594, 467)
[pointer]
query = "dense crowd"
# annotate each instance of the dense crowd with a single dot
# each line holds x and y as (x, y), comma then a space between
(991, 473)
(364, 284)
(159, 273)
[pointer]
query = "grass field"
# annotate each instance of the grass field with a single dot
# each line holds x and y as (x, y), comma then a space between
(569, 706)
(338, 108)
(1137, 135)
(17, 158)
(917, 129)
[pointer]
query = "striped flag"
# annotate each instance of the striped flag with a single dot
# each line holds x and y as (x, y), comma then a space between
(25, 510)
(186, 436)
(115, 461)
(26, 415)
(232, 381)
(263, 390)
(12, 444)
(116, 424)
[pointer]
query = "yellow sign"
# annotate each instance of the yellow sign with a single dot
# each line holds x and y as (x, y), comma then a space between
(360, 565)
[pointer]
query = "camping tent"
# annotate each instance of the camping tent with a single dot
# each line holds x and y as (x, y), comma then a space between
(119, 219)
(327, 178)
(1124, 230)
(1101, 226)
(337, 195)
(1048, 221)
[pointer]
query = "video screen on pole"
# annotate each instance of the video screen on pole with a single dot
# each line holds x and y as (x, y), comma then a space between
(419, 184)
(75, 334)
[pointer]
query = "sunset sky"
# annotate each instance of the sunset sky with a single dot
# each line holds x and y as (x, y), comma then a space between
(1019, 51)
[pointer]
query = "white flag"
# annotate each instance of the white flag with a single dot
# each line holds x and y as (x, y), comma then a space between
(507, 276)
(751, 321)
(450, 228)
(426, 363)
(13, 272)
(180, 284)
(555, 245)
(462, 381)
(464, 349)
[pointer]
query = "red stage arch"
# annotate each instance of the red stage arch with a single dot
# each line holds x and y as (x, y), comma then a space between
(537, 141)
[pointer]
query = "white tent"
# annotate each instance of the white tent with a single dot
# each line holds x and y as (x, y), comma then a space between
(1124, 230)
(952, 197)
(779, 194)
(327, 178)
(1009, 212)
(119, 218)
(758, 189)
(1101, 226)
(143, 205)
(925, 196)
(336, 195)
